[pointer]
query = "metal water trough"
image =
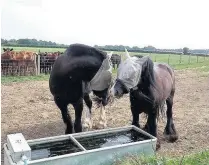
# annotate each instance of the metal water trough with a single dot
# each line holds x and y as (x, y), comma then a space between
(18, 151)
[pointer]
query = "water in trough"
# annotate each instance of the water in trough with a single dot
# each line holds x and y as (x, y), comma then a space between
(52, 149)
(111, 139)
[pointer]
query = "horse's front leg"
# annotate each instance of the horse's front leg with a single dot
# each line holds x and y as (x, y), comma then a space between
(78, 113)
(102, 119)
(151, 126)
(135, 116)
(87, 125)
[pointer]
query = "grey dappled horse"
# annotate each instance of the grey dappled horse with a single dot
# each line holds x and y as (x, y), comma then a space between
(150, 85)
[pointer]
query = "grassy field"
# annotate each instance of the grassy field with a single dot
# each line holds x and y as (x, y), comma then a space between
(174, 61)
(34, 49)
(194, 159)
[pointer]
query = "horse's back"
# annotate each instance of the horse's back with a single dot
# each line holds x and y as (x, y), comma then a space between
(78, 64)
(164, 68)
(79, 50)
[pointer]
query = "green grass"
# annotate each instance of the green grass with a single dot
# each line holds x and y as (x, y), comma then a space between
(194, 159)
(10, 79)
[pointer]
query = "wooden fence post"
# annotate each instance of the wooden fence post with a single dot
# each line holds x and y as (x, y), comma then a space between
(169, 58)
(155, 57)
(189, 58)
(35, 63)
(39, 61)
(180, 60)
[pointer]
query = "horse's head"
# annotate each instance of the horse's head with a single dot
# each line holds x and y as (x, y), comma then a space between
(128, 75)
(102, 81)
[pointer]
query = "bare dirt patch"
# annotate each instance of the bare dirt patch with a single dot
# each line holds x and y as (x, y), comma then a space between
(28, 107)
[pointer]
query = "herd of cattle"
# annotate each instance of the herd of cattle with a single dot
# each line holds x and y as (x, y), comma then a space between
(24, 63)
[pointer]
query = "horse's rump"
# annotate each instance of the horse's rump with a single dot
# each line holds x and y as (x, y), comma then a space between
(165, 79)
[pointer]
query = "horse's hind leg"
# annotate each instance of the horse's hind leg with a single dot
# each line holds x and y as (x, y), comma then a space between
(65, 115)
(78, 114)
(87, 117)
(170, 131)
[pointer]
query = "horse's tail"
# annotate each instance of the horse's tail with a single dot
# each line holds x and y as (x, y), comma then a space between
(161, 111)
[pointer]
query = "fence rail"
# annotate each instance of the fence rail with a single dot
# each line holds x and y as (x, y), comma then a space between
(43, 64)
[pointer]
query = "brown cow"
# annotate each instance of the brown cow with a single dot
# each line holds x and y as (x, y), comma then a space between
(17, 62)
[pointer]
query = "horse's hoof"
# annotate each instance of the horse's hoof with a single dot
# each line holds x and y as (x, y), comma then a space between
(171, 138)
(68, 131)
(145, 128)
(101, 125)
(158, 145)
(170, 133)
(87, 125)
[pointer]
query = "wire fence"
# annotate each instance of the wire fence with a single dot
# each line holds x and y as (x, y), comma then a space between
(11, 67)
(45, 64)
(179, 59)
(42, 64)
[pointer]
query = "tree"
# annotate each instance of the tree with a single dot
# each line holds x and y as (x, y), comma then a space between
(186, 50)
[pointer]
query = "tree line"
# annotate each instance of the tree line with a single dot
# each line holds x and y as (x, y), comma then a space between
(147, 49)
(31, 43)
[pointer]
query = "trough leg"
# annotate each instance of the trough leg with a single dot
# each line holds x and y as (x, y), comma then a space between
(78, 113)
(87, 125)
(170, 132)
(65, 115)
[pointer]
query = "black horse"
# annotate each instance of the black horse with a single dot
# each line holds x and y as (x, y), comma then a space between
(80, 70)
(116, 60)
(150, 85)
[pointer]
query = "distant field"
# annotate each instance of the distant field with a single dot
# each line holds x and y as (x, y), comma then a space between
(177, 61)
(34, 49)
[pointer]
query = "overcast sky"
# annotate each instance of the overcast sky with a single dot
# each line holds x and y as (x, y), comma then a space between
(160, 23)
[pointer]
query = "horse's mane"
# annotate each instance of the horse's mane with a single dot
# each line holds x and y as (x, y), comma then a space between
(148, 85)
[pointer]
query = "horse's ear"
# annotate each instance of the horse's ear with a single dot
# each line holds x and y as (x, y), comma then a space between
(127, 54)
(110, 55)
